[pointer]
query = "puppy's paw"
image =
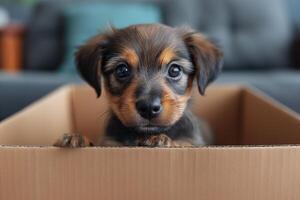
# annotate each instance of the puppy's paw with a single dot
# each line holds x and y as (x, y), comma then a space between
(161, 140)
(71, 140)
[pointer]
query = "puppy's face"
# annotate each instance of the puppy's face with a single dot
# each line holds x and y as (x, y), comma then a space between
(148, 72)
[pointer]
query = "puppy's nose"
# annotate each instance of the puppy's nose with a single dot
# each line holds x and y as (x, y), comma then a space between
(149, 108)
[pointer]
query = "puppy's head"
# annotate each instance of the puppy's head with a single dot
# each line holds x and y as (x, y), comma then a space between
(148, 72)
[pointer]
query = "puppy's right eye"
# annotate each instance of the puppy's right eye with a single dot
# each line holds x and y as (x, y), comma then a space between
(122, 71)
(175, 71)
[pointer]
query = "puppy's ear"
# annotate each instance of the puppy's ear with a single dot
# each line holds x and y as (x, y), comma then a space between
(205, 55)
(88, 61)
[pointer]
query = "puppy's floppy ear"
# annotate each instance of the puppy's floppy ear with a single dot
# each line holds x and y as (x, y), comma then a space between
(205, 55)
(88, 61)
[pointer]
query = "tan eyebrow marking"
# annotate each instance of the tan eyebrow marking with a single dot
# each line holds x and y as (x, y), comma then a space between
(127, 55)
(167, 55)
(130, 56)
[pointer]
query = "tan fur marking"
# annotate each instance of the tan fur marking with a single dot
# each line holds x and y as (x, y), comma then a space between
(130, 56)
(124, 106)
(166, 56)
(173, 104)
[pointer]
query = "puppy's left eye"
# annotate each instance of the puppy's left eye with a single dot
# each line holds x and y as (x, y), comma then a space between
(122, 71)
(175, 71)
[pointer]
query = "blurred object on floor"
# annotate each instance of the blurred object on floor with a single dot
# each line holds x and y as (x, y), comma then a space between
(4, 20)
(293, 7)
(11, 45)
(294, 51)
(44, 39)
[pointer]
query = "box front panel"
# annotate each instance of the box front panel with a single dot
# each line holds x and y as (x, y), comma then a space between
(139, 173)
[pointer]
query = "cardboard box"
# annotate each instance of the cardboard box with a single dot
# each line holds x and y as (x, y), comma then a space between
(254, 159)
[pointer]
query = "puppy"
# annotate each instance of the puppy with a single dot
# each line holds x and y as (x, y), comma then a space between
(148, 72)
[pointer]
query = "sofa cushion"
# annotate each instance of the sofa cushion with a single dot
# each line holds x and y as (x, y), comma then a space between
(84, 20)
(253, 34)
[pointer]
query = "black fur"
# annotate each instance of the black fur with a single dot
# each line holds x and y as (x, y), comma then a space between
(187, 127)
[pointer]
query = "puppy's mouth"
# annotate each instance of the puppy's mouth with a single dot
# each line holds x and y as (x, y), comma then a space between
(150, 129)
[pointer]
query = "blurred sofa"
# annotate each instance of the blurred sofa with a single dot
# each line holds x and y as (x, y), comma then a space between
(260, 40)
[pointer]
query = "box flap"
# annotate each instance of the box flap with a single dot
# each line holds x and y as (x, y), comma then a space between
(237, 115)
(40, 123)
(265, 121)
(90, 112)
(221, 107)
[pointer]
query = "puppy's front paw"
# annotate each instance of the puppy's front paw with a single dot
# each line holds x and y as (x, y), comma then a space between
(72, 141)
(160, 140)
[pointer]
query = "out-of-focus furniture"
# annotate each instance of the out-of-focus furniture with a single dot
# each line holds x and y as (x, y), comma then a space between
(19, 90)
(256, 36)
(44, 38)
(84, 20)
(55, 30)
(11, 47)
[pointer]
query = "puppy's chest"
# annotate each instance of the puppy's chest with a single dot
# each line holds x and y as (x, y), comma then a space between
(184, 128)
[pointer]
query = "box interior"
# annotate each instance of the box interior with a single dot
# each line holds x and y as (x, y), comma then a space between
(237, 115)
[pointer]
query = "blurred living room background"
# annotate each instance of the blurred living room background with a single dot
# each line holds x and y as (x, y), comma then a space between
(260, 40)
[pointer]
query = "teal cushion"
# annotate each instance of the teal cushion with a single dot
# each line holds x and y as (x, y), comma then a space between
(84, 20)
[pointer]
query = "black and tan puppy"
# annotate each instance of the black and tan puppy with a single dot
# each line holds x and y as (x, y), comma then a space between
(148, 73)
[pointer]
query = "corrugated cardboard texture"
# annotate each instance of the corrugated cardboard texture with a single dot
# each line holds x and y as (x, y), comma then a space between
(146, 174)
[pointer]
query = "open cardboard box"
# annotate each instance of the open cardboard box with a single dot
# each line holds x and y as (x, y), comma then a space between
(251, 161)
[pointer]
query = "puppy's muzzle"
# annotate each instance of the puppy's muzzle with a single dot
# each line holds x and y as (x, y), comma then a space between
(149, 108)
